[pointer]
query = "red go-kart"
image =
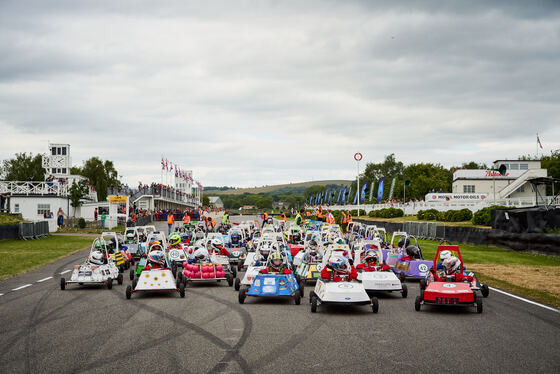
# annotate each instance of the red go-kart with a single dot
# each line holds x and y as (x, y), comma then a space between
(439, 291)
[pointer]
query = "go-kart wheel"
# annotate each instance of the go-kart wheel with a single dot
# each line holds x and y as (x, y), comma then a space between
(240, 267)
(422, 284)
(402, 277)
(134, 283)
(174, 270)
(182, 290)
(478, 305)
(298, 278)
(374, 305)
(242, 295)
(127, 265)
(128, 292)
(132, 261)
(237, 284)
(314, 304)
(311, 295)
(121, 269)
(131, 274)
(234, 272)
(120, 279)
(110, 283)
(62, 284)
(180, 277)
(297, 297)
(485, 290)
(301, 288)
(417, 303)
(404, 291)
(230, 280)
(421, 295)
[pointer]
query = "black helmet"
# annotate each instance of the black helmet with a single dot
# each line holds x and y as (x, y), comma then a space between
(412, 251)
(404, 242)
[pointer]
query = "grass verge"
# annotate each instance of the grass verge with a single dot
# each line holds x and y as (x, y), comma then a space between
(76, 230)
(10, 219)
(415, 219)
(530, 275)
(19, 256)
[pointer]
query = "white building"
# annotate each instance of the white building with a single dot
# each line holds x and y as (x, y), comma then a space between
(513, 184)
(216, 202)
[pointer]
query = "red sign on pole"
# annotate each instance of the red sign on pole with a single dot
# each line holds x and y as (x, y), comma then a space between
(358, 156)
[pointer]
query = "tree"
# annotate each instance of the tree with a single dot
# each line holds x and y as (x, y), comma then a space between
(424, 178)
(265, 202)
(77, 193)
(23, 167)
(205, 200)
(99, 174)
(389, 169)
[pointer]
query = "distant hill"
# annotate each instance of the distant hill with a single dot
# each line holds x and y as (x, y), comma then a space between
(279, 188)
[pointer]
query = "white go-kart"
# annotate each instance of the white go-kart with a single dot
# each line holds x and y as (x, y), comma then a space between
(379, 281)
(95, 271)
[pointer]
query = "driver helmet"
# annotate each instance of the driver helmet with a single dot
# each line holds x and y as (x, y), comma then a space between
(96, 258)
(156, 246)
(444, 255)
(276, 260)
(200, 254)
(175, 239)
(371, 256)
(97, 245)
(234, 237)
(265, 250)
(156, 257)
(451, 265)
(339, 264)
(404, 242)
(313, 247)
(130, 236)
(216, 244)
(412, 251)
(185, 237)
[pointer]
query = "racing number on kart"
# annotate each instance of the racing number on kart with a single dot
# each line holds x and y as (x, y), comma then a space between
(447, 300)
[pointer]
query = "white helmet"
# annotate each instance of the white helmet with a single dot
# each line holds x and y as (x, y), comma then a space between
(96, 258)
(451, 265)
(200, 254)
(216, 243)
(443, 255)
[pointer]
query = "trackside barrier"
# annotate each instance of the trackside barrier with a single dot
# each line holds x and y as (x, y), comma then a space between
(26, 230)
(421, 230)
(41, 229)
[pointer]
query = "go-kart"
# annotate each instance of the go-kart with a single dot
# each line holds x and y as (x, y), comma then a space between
(156, 280)
(217, 268)
(438, 289)
(118, 253)
(92, 274)
(256, 261)
(417, 268)
(133, 246)
(379, 281)
(273, 285)
(340, 293)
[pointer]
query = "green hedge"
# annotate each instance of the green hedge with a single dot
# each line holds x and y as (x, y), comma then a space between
(386, 213)
(483, 217)
(448, 216)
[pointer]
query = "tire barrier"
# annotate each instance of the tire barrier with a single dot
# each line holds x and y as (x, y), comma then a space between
(33, 230)
(9, 232)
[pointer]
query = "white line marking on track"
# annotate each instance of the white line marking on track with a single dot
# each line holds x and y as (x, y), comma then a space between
(44, 279)
(1, 294)
(526, 300)
(20, 287)
(64, 272)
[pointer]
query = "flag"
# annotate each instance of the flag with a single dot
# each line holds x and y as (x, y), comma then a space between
(380, 190)
(166, 165)
(371, 190)
(363, 194)
(356, 196)
(344, 195)
(171, 169)
(162, 164)
(339, 193)
(539, 141)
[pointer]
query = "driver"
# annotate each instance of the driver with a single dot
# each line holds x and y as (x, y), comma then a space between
(276, 265)
(443, 256)
(264, 252)
(175, 241)
(200, 255)
(130, 238)
(412, 253)
(451, 272)
(312, 253)
(217, 247)
(371, 263)
(339, 270)
(97, 258)
(156, 260)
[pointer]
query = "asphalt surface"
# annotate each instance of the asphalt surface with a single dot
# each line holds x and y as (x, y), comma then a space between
(95, 330)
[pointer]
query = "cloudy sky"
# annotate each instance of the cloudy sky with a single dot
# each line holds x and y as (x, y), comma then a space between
(254, 92)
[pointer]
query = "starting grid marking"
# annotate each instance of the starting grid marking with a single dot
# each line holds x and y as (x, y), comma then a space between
(22, 287)
(30, 284)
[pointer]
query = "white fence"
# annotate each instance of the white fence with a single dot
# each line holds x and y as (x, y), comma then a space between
(411, 208)
(40, 189)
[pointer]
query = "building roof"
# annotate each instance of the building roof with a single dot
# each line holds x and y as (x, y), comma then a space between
(214, 199)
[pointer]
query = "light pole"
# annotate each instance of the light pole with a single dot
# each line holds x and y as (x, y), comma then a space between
(358, 157)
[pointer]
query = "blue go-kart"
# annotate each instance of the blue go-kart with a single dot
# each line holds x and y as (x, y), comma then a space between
(273, 285)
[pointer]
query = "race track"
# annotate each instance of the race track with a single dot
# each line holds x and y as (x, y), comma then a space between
(95, 330)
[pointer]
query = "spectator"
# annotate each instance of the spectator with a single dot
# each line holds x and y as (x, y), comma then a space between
(60, 217)
(103, 218)
(95, 215)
